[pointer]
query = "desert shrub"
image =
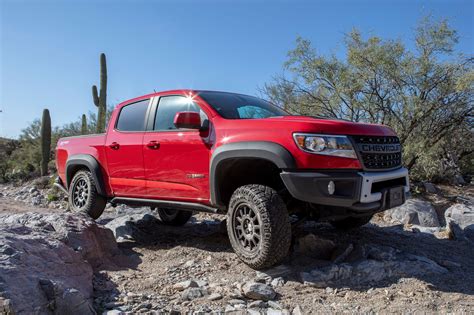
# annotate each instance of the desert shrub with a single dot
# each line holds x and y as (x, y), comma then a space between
(42, 182)
(52, 197)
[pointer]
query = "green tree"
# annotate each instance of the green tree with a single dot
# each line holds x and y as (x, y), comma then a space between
(25, 160)
(425, 94)
(7, 147)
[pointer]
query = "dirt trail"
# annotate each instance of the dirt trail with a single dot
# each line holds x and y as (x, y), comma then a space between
(200, 251)
(8, 205)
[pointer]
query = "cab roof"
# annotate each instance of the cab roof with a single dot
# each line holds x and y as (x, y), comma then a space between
(180, 91)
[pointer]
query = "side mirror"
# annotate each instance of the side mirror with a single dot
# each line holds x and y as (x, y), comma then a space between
(188, 120)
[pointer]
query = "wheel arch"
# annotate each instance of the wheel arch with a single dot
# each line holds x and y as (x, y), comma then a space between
(85, 161)
(271, 152)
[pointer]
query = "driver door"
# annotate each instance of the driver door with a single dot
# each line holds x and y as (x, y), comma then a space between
(176, 160)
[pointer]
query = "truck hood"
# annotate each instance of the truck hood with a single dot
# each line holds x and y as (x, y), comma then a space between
(330, 126)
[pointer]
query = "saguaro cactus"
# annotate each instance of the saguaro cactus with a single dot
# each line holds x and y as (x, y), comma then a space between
(45, 141)
(84, 125)
(100, 99)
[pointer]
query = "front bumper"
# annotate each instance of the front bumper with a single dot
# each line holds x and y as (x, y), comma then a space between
(358, 191)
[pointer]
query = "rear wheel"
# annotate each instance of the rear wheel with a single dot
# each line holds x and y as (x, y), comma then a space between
(174, 217)
(258, 226)
(83, 196)
(351, 223)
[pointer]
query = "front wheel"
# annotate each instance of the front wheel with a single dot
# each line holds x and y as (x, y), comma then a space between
(258, 226)
(83, 195)
(351, 223)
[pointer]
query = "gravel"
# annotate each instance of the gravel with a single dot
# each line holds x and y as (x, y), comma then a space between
(383, 267)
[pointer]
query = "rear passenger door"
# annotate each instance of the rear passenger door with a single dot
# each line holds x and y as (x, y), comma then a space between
(176, 160)
(124, 150)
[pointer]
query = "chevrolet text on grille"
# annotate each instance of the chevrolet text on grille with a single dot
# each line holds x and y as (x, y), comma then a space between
(380, 147)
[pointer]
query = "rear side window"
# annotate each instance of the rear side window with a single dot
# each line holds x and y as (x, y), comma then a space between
(132, 117)
(169, 106)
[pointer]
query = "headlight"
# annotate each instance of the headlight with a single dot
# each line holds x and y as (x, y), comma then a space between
(325, 144)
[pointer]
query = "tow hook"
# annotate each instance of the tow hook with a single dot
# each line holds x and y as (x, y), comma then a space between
(58, 184)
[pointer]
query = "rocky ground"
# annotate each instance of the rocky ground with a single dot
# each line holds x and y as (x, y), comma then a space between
(418, 257)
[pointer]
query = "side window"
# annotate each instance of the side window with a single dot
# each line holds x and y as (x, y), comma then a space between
(169, 106)
(132, 117)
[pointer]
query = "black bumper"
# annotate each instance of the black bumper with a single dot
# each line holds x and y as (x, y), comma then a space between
(312, 187)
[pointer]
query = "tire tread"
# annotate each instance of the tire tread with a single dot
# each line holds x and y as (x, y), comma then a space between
(276, 236)
(96, 203)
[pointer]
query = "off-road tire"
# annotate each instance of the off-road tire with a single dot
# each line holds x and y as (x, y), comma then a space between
(351, 223)
(272, 217)
(93, 204)
(174, 217)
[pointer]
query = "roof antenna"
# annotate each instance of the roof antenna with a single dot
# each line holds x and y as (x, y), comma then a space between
(154, 90)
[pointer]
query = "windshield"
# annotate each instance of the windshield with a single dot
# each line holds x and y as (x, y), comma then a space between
(238, 106)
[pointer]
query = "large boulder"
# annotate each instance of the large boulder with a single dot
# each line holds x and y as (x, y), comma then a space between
(458, 180)
(460, 221)
(382, 263)
(94, 242)
(414, 211)
(430, 188)
(47, 261)
(133, 226)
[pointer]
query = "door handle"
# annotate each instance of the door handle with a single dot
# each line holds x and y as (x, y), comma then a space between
(114, 146)
(154, 145)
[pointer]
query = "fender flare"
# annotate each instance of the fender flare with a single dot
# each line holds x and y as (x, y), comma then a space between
(266, 150)
(79, 160)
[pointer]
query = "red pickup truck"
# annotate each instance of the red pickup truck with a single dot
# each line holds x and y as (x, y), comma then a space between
(187, 150)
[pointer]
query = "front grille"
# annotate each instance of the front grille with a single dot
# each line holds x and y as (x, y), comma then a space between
(378, 152)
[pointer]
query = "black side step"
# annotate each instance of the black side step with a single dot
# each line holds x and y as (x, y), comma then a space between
(190, 206)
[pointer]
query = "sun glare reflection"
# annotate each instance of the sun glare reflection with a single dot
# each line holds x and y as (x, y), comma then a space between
(190, 99)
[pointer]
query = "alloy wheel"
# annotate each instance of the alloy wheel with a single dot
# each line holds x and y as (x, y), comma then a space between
(80, 193)
(247, 227)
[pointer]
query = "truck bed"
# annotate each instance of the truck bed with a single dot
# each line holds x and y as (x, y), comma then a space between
(87, 144)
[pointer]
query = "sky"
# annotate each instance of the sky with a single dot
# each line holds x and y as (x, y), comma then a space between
(49, 50)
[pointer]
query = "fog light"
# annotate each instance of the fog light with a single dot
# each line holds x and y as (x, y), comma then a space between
(331, 187)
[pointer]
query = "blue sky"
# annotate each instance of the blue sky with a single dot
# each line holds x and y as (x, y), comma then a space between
(49, 50)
